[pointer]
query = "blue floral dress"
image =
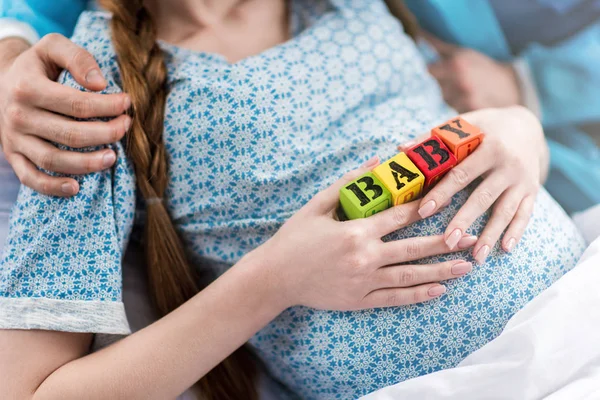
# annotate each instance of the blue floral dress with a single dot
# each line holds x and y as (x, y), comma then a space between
(249, 143)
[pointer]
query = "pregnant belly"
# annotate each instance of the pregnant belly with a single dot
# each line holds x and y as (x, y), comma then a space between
(325, 355)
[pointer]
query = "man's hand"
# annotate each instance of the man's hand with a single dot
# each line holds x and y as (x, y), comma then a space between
(35, 110)
(471, 80)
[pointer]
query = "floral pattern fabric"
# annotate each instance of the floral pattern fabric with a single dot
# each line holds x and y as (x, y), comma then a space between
(249, 143)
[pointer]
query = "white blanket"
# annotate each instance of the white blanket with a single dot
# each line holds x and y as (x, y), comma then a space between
(548, 350)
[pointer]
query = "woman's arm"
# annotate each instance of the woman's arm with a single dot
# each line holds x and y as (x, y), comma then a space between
(313, 260)
(160, 361)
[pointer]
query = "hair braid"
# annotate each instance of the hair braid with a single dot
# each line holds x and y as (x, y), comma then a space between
(171, 280)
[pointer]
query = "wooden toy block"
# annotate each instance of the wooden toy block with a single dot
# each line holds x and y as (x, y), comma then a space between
(364, 197)
(402, 178)
(461, 137)
(433, 159)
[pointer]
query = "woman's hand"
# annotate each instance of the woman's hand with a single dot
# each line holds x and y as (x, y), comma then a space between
(34, 110)
(513, 161)
(322, 263)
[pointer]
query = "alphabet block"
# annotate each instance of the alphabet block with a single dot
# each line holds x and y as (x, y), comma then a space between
(402, 178)
(364, 197)
(433, 159)
(461, 137)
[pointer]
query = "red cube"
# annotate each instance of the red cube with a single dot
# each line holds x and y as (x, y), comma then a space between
(433, 158)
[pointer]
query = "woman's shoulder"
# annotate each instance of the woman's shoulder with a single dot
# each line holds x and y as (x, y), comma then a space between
(93, 33)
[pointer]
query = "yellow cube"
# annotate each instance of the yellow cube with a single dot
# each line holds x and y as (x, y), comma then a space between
(402, 178)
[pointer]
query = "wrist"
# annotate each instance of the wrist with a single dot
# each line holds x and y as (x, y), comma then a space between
(258, 268)
(10, 49)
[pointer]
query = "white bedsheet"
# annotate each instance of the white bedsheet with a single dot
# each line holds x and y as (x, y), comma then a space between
(548, 350)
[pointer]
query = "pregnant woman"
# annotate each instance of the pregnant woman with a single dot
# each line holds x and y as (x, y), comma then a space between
(250, 134)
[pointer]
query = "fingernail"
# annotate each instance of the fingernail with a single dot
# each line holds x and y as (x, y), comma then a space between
(453, 239)
(108, 159)
(427, 209)
(467, 241)
(95, 77)
(482, 254)
(511, 245)
(127, 124)
(126, 103)
(67, 188)
(461, 268)
(370, 162)
(436, 291)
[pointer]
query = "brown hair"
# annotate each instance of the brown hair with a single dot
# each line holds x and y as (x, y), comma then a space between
(171, 279)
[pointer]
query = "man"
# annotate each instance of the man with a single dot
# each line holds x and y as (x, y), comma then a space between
(544, 54)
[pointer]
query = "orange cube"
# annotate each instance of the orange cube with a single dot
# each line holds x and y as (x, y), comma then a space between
(461, 137)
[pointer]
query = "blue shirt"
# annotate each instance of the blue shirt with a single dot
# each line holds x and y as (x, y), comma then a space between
(547, 22)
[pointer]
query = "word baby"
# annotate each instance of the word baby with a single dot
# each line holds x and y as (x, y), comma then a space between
(406, 176)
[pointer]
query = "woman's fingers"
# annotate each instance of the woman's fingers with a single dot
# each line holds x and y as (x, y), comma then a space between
(76, 134)
(519, 223)
(400, 276)
(456, 180)
(402, 296)
(401, 251)
(482, 198)
(504, 211)
(394, 218)
(68, 101)
(50, 158)
(30, 176)
(328, 200)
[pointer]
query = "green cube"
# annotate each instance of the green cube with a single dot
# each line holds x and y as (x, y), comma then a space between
(364, 197)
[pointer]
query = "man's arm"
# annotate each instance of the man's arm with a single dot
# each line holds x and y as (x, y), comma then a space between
(44, 17)
(567, 78)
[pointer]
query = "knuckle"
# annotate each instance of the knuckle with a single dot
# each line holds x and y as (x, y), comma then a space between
(353, 237)
(413, 250)
(418, 297)
(114, 133)
(407, 276)
(25, 177)
(21, 89)
(392, 299)
(15, 115)
(458, 176)
(47, 160)
(81, 108)
(484, 198)
(458, 62)
(81, 58)
(357, 262)
(72, 138)
(90, 165)
(400, 216)
(50, 38)
(507, 212)
(45, 186)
